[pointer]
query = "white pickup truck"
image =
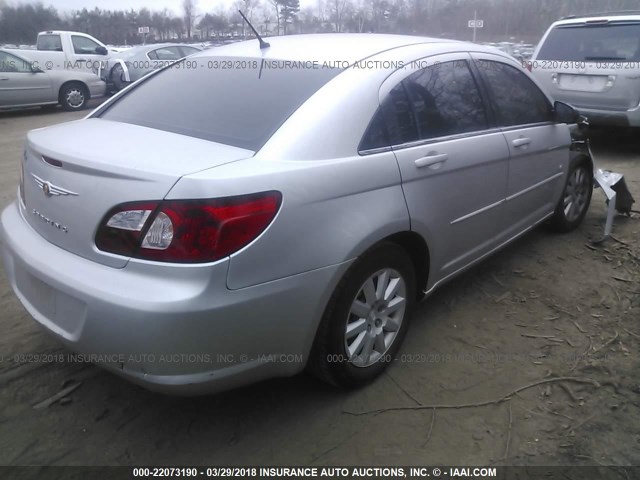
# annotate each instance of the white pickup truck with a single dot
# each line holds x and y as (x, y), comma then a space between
(58, 50)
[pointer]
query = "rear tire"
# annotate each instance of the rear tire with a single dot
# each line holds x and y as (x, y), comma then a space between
(575, 199)
(73, 96)
(366, 319)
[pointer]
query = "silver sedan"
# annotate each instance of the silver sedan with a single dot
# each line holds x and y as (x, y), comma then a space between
(134, 63)
(24, 84)
(287, 210)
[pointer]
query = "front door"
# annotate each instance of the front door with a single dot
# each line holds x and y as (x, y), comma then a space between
(539, 147)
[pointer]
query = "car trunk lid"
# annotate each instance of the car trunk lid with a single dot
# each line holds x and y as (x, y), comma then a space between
(75, 172)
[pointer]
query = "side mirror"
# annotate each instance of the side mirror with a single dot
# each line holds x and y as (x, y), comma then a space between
(101, 50)
(35, 69)
(565, 113)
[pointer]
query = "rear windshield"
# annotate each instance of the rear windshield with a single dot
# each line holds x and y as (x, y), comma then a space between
(611, 42)
(239, 102)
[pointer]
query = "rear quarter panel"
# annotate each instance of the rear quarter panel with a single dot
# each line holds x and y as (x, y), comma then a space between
(331, 212)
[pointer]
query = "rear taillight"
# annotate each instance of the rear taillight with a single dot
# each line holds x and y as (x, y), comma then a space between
(187, 231)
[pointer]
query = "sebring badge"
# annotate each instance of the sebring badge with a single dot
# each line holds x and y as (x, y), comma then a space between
(51, 190)
(50, 222)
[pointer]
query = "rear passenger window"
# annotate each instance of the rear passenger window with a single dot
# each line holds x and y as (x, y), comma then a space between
(445, 100)
(517, 99)
(398, 117)
(168, 53)
(393, 123)
(49, 43)
(437, 101)
(376, 135)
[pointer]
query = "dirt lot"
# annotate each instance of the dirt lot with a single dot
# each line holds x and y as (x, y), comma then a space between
(548, 306)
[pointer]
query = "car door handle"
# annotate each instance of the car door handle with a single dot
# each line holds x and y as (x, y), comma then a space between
(4, 78)
(521, 142)
(433, 160)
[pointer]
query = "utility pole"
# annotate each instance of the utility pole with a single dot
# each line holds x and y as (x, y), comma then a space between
(475, 24)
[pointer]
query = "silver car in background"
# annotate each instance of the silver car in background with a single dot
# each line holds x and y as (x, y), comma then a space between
(23, 84)
(286, 210)
(134, 63)
(593, 63)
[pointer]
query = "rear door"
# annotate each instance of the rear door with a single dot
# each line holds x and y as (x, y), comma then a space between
(539, 148)
(453, 164)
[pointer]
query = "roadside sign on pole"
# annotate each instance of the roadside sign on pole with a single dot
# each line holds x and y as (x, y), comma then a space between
(143, 29)
(475, 24)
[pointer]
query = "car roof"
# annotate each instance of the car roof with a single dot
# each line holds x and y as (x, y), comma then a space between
(138, 49)
(153, 46)
(597, 18)
(350, 47)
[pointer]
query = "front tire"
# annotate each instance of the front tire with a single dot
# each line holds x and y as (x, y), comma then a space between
(73, 96)
(366, 319)
(117, 78)
(575, 199)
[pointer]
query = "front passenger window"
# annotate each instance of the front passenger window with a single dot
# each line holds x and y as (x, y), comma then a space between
(83, 45)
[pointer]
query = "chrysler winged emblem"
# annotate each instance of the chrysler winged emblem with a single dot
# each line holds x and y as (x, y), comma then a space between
(50, 190)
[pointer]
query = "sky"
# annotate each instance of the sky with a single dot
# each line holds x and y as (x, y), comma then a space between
(175, 5)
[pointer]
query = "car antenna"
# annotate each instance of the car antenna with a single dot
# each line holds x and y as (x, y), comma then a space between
(263, 44)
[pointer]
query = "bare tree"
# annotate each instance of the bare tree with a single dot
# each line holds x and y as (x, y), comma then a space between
(247, 7)
(523, 20)
(276, 5)
(339, 8)
(189, 9)
(289, 10)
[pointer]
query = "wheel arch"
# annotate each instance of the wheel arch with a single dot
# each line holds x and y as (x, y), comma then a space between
(416, 246)
(412, 243)
(578, 158)
(84, 86)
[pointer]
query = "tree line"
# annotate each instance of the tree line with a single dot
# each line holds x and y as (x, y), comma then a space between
(503, 19)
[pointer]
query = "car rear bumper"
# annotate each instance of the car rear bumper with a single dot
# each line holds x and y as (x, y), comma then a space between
(97, 89)
(175, 329)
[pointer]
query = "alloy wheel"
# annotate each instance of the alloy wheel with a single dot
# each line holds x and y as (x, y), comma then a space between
(375, 317)
(576, 194)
